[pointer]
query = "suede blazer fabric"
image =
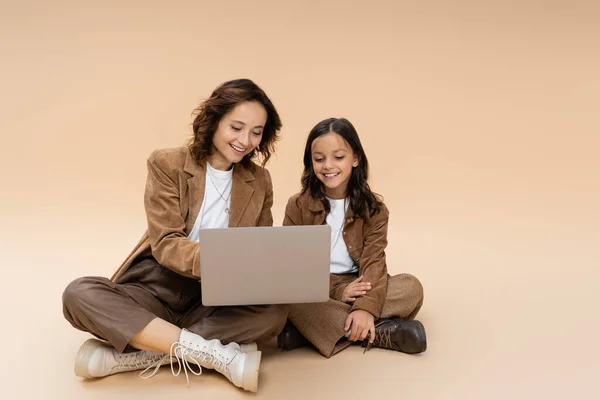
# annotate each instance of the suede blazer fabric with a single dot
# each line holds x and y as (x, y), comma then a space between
(366, 241)
(173, 197)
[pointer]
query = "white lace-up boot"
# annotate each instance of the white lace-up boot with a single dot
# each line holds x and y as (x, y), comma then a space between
(239, 367)
(96, 359)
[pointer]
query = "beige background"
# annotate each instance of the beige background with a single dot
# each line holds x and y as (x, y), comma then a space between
(481, 123)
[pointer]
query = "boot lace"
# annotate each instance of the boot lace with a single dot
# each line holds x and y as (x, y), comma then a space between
(383, 338)
(136, 360)
(182, 355)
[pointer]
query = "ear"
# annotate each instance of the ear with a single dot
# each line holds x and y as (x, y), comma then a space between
(355, 161)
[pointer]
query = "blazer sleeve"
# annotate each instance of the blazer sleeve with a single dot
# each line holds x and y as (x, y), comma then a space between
(372, 264)
(337, 285)
(166, 226)
(293, 213)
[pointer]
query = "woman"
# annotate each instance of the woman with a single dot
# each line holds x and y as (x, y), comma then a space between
(150, 311)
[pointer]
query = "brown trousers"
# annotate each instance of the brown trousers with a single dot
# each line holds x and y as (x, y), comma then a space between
(323, 323)
(116, 312)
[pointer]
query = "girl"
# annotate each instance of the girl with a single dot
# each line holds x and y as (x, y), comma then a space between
(366, 303)
(152, 306)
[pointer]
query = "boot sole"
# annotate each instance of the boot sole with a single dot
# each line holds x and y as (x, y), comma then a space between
(249, 348)
(251, 367)
(84, 355)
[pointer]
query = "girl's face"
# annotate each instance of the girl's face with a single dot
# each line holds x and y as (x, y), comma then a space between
(239, 132)
(332, 161)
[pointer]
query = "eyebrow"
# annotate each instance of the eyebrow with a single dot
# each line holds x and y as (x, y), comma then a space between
(243, 123)
(335, 151)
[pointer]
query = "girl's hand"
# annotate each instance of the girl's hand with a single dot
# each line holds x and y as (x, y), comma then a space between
(362, 322)
(355, 289)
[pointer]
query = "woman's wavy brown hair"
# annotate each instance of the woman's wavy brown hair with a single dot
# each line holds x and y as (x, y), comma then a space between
(224, 99)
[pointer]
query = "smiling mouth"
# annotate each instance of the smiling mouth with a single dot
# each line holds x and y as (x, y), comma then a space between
(332, 175)
(238, 149)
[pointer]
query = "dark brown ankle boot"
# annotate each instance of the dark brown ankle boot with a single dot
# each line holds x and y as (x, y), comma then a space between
(290, 338)
(400, 335)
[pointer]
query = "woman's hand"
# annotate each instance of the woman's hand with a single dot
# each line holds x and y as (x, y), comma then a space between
(355, 289)
(360, 322)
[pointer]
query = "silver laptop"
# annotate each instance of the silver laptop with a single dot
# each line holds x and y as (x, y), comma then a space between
(265, 265)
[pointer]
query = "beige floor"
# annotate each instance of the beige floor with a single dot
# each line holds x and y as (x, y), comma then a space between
(496, 329)
(480, 120)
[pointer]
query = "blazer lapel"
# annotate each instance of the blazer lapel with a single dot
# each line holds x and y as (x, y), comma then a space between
(196, 184)
(318, 211)
(241, 193)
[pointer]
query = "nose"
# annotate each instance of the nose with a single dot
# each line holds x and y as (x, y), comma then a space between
(244, 138)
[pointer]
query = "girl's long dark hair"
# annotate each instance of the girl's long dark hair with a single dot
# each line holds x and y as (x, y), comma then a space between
(363, 202)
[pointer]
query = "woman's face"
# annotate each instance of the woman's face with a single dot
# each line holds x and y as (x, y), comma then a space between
(239, 132)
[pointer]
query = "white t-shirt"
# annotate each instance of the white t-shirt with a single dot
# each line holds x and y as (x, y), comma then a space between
(341, 262)
(213, 213)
